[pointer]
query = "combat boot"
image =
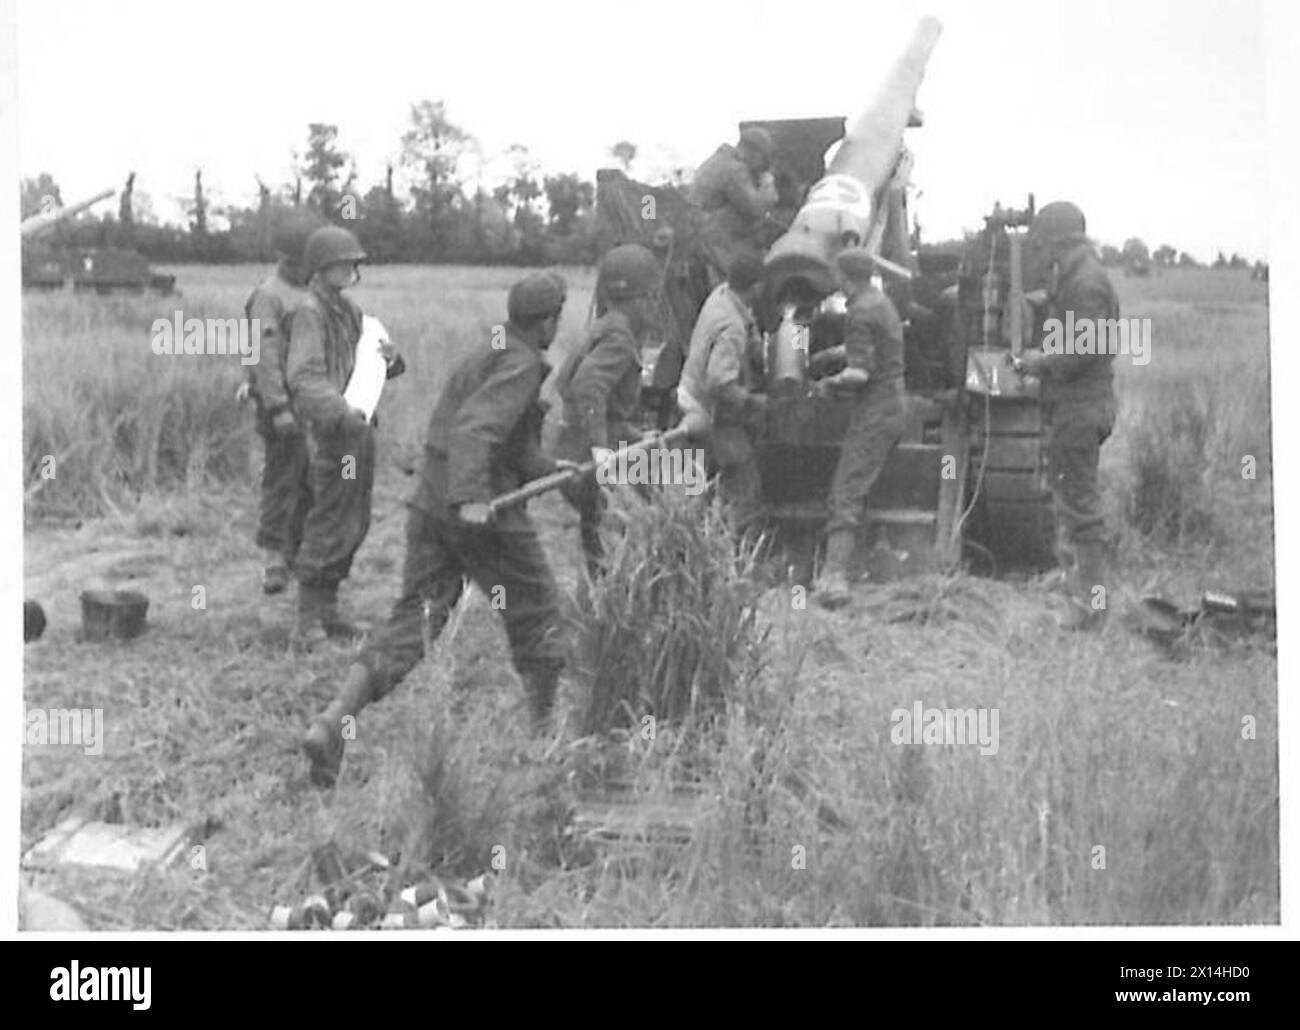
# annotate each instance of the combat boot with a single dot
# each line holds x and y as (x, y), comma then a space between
(275, 573)
(318, 616)
(323, 742)
(832, 589)
(540, 684)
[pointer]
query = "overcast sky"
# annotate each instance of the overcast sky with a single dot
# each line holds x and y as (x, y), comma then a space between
(1148, 114)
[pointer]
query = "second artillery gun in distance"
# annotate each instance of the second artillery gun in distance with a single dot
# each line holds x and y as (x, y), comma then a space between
(969, 474)
(50, 265)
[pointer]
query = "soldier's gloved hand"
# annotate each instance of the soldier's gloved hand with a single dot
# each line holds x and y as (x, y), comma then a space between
(475, 513)
(244, 391)
(284, 424)
(356, 419)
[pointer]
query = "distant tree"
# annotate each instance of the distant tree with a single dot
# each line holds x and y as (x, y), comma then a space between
(125, 212)
(434, 148)
(1135, 251)
(624, 152)
(1185, 260)
(39, 195)
(320, 167)
(381, 225)
(1237, 261)
(1110, 255)
(1220, 261)
(199, 211)
(567, 198)
(1165, 255)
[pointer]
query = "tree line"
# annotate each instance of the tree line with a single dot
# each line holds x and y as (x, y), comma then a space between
(443, 213)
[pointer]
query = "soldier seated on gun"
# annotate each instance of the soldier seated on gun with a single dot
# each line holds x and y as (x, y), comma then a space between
(482, 442)
(735, 191)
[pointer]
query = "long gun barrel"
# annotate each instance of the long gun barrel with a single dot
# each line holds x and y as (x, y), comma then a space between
(39, 223)
(845, 208)
(555, 480)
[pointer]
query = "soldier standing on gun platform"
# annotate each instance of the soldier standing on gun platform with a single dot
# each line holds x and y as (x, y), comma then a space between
(286, 484)
(735, 191)
(323, 334)
(720, 386)
(600, 382)
(482, 441)
(1078, 397)
(873, 346)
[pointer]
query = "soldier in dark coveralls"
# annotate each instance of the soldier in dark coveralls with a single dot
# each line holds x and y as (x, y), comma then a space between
(1078, 396)
(873, 346)
(482, 441)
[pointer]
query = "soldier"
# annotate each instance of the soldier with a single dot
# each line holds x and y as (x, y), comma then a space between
(323, 335)
(873, 346)
(286, 485)
(721, 381)
(600, 382)
(735, 190)
(482, 441)
(1077, 394)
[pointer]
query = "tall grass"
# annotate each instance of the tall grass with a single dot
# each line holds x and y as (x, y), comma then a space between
(669, 629)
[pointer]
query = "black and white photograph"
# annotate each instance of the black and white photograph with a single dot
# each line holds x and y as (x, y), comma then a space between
(768, 468)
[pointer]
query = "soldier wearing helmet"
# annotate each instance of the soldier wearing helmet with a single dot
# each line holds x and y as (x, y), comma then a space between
(735, 192)
(1078, 397)
(286, 485)
(323, 334)
(873, 375)
(482, 441)
(600, 380)
(720, 387)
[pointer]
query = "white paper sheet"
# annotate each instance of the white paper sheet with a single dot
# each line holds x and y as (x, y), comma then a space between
(371, 370)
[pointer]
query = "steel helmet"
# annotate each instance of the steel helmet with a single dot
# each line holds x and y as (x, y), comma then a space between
(759, 140)
(856, 264)
(627, 271)
(290, 232)
(538, 295)
(1059, 222)
(330, 244)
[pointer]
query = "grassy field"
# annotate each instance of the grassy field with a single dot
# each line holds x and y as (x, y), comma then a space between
(1123, 789)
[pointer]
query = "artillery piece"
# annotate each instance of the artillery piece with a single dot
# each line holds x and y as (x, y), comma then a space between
(969, 474)
(102, 269)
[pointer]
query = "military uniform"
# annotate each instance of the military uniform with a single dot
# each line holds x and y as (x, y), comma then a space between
(1078, 397)
(600, 385)
(722, 376)
(873, 343)
(286, 482)
(733, 208)
(324, 331)
(482, 441)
